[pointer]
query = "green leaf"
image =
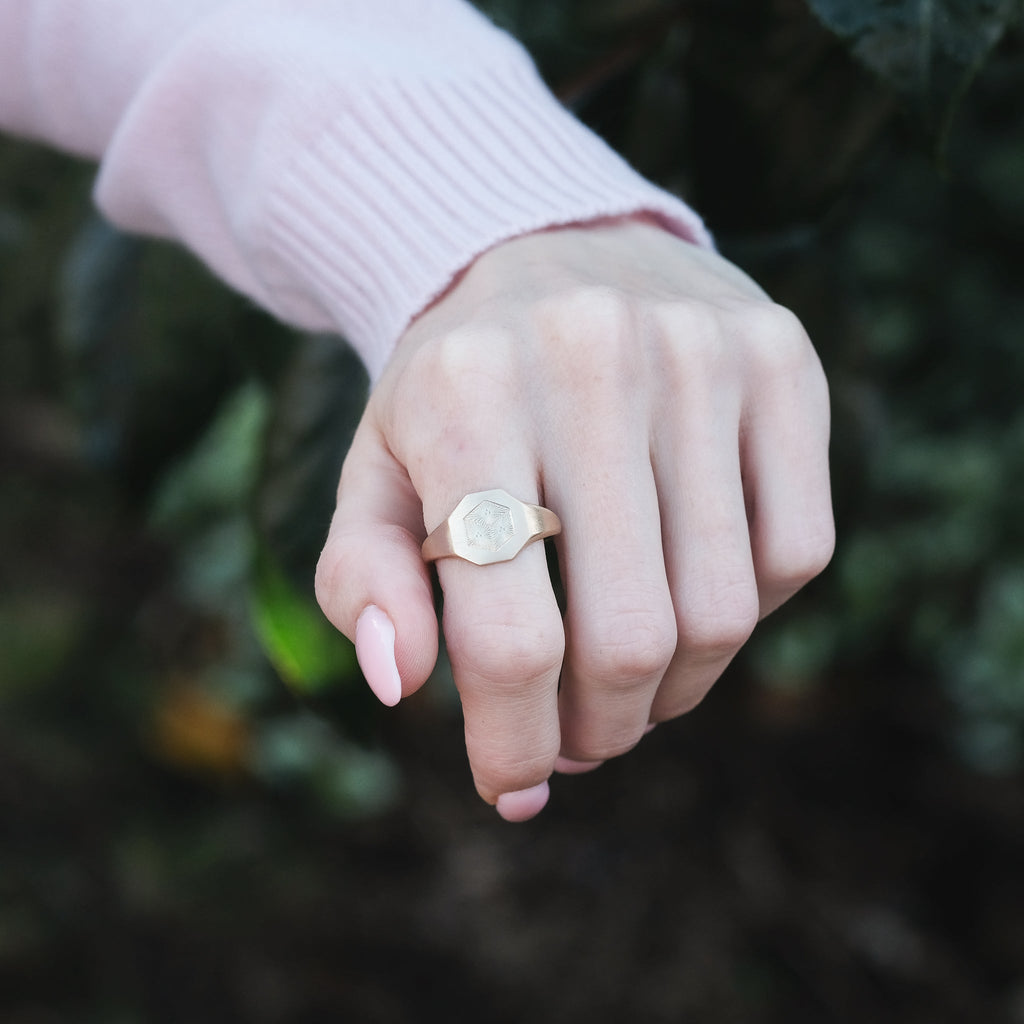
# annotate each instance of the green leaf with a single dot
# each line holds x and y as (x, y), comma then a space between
(218, 475)
(309, 654)
(927, 50)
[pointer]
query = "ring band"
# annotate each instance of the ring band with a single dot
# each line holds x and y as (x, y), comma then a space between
(488, 527)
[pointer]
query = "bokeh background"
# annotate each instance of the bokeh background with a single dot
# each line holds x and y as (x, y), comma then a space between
(203, 815)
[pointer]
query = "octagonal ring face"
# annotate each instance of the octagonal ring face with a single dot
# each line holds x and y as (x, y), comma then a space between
(489, 526)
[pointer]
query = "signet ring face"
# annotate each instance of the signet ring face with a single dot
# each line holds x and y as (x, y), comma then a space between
(490, 526)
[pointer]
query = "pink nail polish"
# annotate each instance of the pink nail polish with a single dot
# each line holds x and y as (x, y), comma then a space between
(375, 651)
(567, 766)
(522, 804)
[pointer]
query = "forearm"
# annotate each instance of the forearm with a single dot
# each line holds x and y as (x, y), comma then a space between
(339, 162)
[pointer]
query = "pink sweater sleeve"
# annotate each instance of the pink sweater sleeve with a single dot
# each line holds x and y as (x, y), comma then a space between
(339, 161)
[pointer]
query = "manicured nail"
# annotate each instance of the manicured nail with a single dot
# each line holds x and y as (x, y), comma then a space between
(375, 651)
(651, 726)
(523, 804)
(567, 766)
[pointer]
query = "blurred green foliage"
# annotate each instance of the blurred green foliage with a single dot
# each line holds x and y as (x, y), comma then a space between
(218, 437)
(928, 52)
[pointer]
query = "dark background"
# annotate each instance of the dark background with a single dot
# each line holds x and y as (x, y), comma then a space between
(205, 818)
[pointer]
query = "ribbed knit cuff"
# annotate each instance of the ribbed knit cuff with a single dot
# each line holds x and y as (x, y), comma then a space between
(415, 179)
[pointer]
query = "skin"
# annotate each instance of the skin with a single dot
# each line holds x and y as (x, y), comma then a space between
(677, 421)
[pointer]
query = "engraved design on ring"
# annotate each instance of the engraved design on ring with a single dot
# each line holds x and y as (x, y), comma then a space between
(488, 527)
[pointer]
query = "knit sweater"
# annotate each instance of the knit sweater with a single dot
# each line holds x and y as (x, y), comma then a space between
(338, 161)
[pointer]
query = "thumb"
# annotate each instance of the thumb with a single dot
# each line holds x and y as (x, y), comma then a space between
(371, 581)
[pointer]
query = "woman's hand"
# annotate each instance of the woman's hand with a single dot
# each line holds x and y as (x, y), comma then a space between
(676, 420)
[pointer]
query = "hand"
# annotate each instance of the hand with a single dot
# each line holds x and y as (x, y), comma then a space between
(677, 421)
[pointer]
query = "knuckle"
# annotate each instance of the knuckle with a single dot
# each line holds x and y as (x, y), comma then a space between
(773, 338)
(586, 309)
(462, 367)
(456, 396)
(510, 655)
(721, 618)
(802, 557)
(637, 647)
(709, 339)
(696, 325)
(694, 330)
(591, 329)
(774, 322)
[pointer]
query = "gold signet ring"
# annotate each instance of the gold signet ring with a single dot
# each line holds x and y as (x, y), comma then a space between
(490, 526)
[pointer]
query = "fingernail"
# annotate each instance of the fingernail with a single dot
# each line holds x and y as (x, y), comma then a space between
(522, 804)
(375, 651)
(651, 726)
(567, 766)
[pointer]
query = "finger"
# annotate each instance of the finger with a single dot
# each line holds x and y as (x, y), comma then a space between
(707, 547)
(505, 642)
(463, 428)
(787, 475)
(371, 580)
(620, 626)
